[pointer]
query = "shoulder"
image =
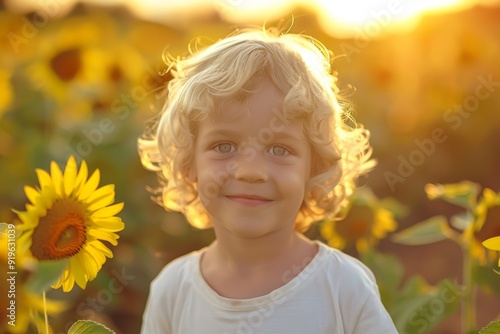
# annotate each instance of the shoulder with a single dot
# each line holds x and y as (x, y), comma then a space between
(164, 292)
(348, 278)
(357, 293)
(174, 275)
(345, 267)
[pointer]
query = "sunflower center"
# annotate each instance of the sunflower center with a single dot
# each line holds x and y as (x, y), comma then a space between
(357, 224)
(66, 64)
(61, 233)
(358, 229)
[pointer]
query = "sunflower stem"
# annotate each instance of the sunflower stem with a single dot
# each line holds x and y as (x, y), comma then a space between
(469, 293)
(45, 313)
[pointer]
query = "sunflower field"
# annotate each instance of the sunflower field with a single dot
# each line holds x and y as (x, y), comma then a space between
(84, 236)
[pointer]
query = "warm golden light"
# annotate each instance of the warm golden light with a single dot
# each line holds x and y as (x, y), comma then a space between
(371, 18)
(345, 19)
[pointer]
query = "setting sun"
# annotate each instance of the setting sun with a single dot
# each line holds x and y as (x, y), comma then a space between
(344, 19)
(371, 17)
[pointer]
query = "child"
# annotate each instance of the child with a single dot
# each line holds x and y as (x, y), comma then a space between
(254, 143)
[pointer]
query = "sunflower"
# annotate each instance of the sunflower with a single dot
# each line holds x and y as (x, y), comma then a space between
(6, 91)
(29, 307)
(67, 66)
(366, 222)
(68, 218)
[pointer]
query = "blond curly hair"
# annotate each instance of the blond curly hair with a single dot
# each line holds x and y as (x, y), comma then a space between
(300, 67)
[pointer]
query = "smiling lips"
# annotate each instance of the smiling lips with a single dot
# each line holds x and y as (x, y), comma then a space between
(251, 200)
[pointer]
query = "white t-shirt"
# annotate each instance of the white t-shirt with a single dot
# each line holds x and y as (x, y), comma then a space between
(335, 293)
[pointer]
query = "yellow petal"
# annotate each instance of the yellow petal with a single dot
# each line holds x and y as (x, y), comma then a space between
(81, 178)
(68, 283)
(43, 178)
(102, 197)
(31, 193)
(103, 235)
(86, 259)
(57, 178)
(78, 272)
(98, 259)
(70, 175)
(93, 261)
(38, 210)
(111, 224)
(24, 243)
(25, 217)
(108, 211)
(49, 195)
(58, 283)
(102, 249)
(492, 243)
(90, 186)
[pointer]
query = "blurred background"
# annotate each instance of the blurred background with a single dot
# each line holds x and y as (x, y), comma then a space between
(84, 78)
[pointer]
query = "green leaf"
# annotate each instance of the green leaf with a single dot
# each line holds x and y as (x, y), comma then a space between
(397, 209)
(46, 274)
(492, 328)
(462, 220)
(428, 231)
(463, 193)
(388, 271)
(487, 279)
(364, 197)
(89, 327)
(421, 307)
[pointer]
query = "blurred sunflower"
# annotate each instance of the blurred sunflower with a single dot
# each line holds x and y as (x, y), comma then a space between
(6, 91)
(29, 306)
(122, 69)
(67, 68)
(366, 222)
(68, 217)
(17, 43)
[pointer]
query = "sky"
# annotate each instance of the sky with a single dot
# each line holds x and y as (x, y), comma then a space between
(341, 19)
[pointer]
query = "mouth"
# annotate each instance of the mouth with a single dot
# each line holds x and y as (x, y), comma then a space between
(249, 200)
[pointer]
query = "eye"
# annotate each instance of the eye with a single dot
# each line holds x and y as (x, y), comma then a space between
(225, 148)
(279, 151)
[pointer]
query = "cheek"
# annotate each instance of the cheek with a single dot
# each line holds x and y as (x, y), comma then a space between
(211, 180)
(293, 184)
(207, 194)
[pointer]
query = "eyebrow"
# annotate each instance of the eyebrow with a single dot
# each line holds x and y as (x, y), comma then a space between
(219, 132)
(232, 133)
(286, 135)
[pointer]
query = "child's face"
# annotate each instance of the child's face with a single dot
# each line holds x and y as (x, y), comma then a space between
(252, 165)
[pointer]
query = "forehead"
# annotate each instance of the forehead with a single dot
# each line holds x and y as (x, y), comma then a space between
(256, 111)
(260, 94)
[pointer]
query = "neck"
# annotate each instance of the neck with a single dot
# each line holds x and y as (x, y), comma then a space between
(253, 254)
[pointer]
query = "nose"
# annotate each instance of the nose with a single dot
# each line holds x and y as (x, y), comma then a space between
(251, 169)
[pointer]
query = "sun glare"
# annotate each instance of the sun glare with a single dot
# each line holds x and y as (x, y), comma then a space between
(371, 17)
